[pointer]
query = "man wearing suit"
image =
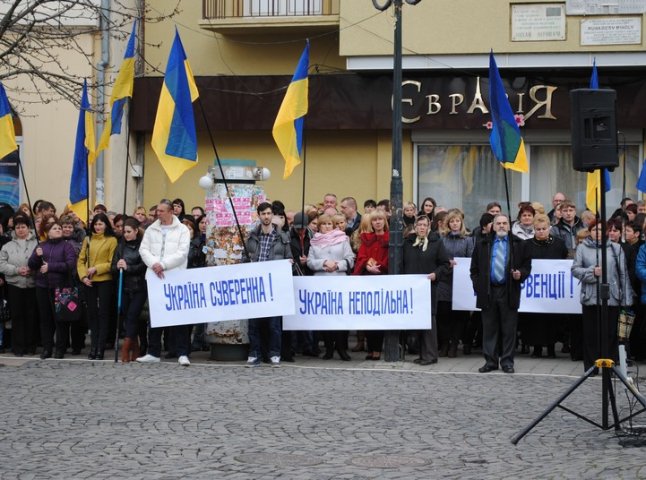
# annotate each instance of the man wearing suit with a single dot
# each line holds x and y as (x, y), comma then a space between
(352, 217)
(498, 267)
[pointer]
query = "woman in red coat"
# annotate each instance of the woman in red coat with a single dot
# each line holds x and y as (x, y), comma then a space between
(372, 259)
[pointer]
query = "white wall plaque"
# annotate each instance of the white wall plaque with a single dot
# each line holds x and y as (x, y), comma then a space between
(604, 7)
(611, 31)
(537, 22)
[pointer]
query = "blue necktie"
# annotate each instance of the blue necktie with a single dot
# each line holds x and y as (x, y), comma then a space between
(499, 263)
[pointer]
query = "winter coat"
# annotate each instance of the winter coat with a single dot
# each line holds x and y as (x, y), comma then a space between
(340, 253)
(97, 251)
(434, 260)
(60, 258)
(456, 246)
(552, 248)
(280, 249)
(481, 271)
(587, 257)
(640, 270)
(299, 248)
(196, 257)
(170, 250)
(372, 246)
(567, 233)
(16, 254)
(134, 276)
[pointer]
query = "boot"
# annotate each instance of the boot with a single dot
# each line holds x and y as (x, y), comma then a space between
(134, 353)
(538, 351)
(444, 350)
(329, 353)
(453, 350)
(125, 350)
(551, 352)
(343, 354)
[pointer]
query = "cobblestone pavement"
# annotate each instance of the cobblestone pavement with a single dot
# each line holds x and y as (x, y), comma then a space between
(307, 420)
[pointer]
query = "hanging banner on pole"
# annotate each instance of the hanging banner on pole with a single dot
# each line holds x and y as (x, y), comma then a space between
(549, 288)
(370, 302)
(215, 294)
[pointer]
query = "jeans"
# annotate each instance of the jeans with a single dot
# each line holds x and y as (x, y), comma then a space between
(275, 327)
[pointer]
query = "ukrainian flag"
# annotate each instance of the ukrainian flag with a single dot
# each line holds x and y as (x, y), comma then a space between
(84, 154)
(7, 133)
(593, 181)
(506, 143)
(174, 137)
(121, 91)
(288, 126)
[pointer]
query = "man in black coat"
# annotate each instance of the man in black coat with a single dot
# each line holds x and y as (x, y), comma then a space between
(499, 265)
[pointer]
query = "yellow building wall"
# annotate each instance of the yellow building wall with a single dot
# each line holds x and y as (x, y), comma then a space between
(211, 53)
(49, 130)
(354, 164)
(442, 27)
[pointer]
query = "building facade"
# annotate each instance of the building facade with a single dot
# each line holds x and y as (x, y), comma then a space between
(243, 53)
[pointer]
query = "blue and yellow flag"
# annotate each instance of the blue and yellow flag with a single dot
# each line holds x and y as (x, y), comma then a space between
(174, 137)
(7, 132)
(593, 181)
(121, 91)
(288, 126)
(84, 154)
(506, 143)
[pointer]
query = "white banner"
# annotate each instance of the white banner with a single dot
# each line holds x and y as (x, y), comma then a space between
(550, 288)
(227, 292)
(369, 302)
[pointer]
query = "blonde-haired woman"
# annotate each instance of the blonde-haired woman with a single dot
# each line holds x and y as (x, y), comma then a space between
(330, 254)
(450, 324)
(372, 259)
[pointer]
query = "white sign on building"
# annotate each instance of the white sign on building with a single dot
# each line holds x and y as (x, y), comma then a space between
(537, 22)
(611, 31)
(604, 7)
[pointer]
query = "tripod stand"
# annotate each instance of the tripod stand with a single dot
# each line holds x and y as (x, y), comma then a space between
(606, 366)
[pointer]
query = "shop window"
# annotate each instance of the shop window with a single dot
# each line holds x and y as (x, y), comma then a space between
(467, 177)
(551, 172)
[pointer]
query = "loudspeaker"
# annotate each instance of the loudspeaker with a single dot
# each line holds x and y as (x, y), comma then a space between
(594, 129)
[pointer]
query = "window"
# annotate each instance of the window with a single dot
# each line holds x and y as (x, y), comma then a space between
(468, 177)
(269, 8)
(464, 176)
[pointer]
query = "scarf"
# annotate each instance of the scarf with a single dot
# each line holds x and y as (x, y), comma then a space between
(421, 242)
(327, 239)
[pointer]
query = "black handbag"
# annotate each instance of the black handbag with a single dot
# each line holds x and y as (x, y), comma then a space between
(67, 305)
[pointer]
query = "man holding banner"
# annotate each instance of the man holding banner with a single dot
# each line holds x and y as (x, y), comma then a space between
(498, 267)
(165, 247)
(265, 243)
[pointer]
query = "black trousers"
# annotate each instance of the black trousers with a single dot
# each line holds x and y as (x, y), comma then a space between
(592, 334)
(499, 320)
(99, 297)
(24, 321)
(180, 339)
(45, 302)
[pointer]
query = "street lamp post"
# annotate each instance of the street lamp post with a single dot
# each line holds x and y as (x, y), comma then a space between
(395, 246)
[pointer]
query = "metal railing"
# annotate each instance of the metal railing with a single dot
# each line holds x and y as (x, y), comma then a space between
(213, 9)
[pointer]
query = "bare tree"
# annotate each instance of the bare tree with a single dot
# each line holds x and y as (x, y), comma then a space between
(36, 36)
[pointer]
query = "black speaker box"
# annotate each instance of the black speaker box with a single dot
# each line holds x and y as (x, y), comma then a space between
(594, 129)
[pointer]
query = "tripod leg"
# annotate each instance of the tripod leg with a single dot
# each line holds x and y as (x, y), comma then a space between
(638, 396)
(613, 404)
(516, 438)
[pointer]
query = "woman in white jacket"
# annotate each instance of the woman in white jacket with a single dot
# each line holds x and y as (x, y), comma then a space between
(21, 289)
(330, 254)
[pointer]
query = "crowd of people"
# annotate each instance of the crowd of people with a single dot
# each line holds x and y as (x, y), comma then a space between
(44, 253)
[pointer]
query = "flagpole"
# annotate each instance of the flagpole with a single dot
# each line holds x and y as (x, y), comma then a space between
(304, 164)
(224, 180)
(511, 249)
(24, 183)
(125, 183)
